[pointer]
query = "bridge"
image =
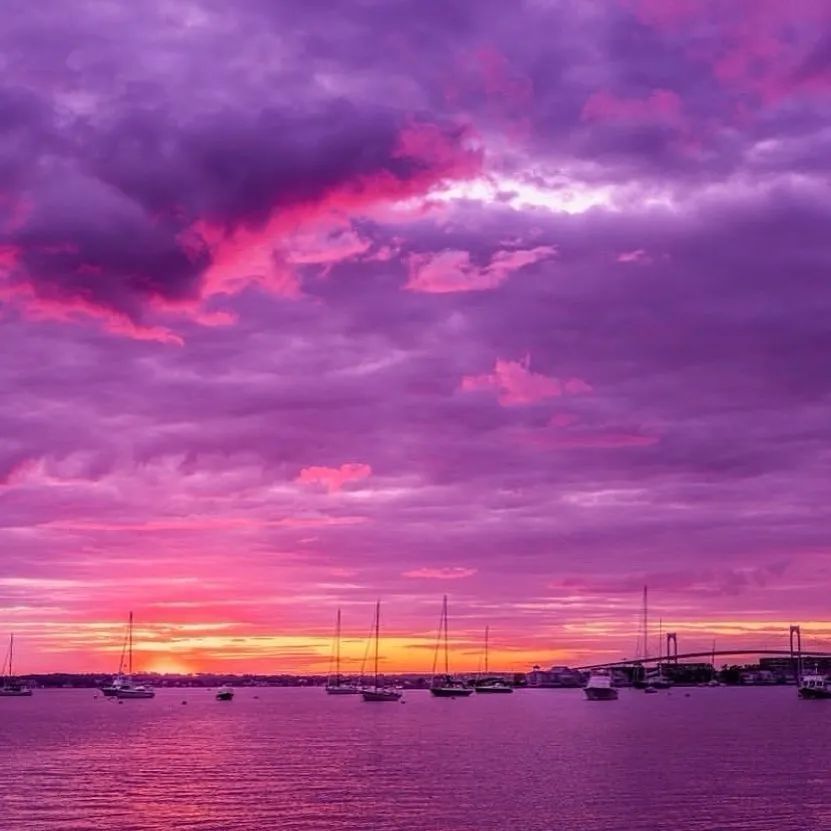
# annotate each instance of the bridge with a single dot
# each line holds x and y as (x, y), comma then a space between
(674, 657)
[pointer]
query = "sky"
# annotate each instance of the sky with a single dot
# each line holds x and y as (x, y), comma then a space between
(304, 304)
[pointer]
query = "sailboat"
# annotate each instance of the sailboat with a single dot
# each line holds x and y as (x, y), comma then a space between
(490, 685)
(651, 680)
(120, 680)
(445, 686)
(122, 685)
(376, 692)
(334, 684)
(10, 686)
(713, 682)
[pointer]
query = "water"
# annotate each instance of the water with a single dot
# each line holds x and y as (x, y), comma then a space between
(726, 759)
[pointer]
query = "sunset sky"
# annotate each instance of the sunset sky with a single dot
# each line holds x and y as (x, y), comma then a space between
(303, 304)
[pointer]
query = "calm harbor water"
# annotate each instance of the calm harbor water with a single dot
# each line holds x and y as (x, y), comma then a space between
(749, 759)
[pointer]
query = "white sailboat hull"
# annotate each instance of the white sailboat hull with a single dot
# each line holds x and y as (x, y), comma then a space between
(135, 692)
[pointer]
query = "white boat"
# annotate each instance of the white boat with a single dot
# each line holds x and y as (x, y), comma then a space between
(446, 686)
(111, 690)
(376, 692)
(334, 683)
(136, 691)
(814, 685)
(10, 687)
(123, 686)
(599, 686)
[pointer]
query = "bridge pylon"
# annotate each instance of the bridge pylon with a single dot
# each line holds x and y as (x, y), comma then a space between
(672, 648)
(795, 638)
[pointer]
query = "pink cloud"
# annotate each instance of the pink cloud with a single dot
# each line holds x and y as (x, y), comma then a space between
(334, 478)
(636, 256)
(755, 49)
(446, 573)
(325, 246)
(452, 271)
(516, 384)
(73, 310)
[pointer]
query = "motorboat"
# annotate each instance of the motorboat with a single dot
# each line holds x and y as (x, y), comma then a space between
(599, 686)
(224, 694)
(814, 686)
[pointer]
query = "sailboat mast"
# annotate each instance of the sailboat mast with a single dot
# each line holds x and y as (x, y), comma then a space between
(446, 646)
(11, 655)
(645, 626)
(377, 636)
(337, 651)
(487, 632)
(130, 645)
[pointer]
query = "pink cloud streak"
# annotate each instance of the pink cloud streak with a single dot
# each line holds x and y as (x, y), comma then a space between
(334, 478)
(515, 384)
(453, 271)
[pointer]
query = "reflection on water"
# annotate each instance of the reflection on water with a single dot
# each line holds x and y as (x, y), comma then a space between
(299, 759)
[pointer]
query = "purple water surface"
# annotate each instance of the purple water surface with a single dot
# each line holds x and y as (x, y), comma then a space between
(732, 759)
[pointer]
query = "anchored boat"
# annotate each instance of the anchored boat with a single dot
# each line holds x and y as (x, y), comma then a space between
(122, 685)
(376, 692)
(599, 687)
(814, 686)
(11, 687)
(446, 686)
(334, 683)
(486, 684)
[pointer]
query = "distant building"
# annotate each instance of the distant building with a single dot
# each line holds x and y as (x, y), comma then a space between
(783, 668)
(555, 677)
(688, 673)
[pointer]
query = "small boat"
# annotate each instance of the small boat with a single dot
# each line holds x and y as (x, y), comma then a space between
(381, 694)
(122, 686)
(599, 686)
(10, 687)
(376, 692)
(445, 685)
(650, 690)
(224, 694)
(120, 680)
(493, 685)
(490, 685)
(814, 686)
(111, 690)
(654, 679)
(334, 683)
(136, 691)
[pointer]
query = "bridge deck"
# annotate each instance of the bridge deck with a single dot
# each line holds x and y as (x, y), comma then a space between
(718, 653)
